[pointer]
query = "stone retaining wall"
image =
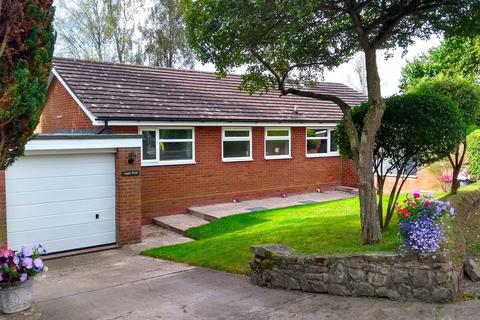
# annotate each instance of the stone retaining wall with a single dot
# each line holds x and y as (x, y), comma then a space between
(431, 278)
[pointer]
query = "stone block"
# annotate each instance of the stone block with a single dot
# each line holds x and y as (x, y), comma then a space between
(338, 290)
(363, 289)
(357, 274)
(472, 268)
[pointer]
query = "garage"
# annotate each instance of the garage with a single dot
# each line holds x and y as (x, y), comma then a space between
(61, 197)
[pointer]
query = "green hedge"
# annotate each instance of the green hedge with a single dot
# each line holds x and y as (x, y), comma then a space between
(473, 153)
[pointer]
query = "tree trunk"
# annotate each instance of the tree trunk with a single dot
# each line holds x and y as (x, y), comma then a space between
(371, 230)
(457, 164)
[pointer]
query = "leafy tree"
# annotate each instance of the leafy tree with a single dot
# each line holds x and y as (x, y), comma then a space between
(467, 95)
(473, 153)
(83, 29)
(456, 56)
(165, 37)
(417, 130)
(287, 44)
(122, 16)
(26, 48)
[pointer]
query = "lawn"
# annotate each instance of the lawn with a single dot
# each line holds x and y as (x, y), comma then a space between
(327, 227)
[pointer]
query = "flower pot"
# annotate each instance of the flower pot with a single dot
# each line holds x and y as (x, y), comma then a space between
(16, 298)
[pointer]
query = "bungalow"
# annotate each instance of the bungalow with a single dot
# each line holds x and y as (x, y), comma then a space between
(118, 145)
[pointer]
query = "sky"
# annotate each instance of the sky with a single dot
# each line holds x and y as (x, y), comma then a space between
(390, 70)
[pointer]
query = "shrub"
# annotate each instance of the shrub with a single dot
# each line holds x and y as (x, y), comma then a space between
(421, 220)
(19, 266)
(473, 153)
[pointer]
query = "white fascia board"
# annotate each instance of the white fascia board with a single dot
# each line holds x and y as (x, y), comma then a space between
(217, 124)
(81, 144)
(90, 115)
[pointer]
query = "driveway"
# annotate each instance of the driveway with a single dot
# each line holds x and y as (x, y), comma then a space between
(120, 284)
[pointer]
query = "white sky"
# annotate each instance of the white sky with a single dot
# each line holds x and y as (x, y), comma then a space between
(390, 70)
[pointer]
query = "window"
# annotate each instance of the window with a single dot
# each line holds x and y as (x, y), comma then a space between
(319, 142)
(277, 143)
(168, 146)
(236, 144)
(410, 167)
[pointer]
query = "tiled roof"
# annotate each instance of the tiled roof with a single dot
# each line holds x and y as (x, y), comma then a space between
(131, 92)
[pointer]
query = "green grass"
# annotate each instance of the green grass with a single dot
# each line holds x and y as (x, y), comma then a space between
(328, 228)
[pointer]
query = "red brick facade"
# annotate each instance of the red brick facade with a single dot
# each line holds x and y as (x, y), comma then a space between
(61, 113)
(172, 189)
(128, 198)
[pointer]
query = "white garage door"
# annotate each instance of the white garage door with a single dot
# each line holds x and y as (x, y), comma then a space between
(63, 202)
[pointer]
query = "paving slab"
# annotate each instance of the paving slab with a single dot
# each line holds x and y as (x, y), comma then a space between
(216, 211)
(179, 223)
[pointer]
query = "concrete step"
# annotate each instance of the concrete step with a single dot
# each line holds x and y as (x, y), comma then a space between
(179, 223)
(347, 189)
(199, 213)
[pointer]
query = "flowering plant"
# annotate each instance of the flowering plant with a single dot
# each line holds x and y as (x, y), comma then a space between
(447, 178)
(421, 220)
(19, 266)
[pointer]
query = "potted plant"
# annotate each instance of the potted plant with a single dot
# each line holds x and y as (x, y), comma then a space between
(17, 269)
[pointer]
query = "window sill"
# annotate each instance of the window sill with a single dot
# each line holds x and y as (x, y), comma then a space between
(277, 157)
(322, 155)
(168, 163)
(237, 160)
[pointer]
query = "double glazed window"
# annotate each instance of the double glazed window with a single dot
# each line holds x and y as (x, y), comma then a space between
(236, 144)
(319, 142)
(277, 143)
(168, 146)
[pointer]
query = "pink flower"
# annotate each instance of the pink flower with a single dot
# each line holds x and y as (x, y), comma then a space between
(427, 203)
(416, 195)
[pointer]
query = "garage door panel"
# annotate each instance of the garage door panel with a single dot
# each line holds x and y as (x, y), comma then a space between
(65, 160)
(26, 198)
(53, 199)
(46, 209)
(59, 220)
(59, 183)
(60, 171)
(72, 243)
(62, 233)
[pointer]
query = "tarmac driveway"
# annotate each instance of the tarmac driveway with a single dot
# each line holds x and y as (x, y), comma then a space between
(120, 284)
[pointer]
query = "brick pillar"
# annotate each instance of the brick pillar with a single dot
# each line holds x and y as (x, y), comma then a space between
(128, 197)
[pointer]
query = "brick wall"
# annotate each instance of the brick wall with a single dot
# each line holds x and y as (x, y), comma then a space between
(171, 189)
(128, 198)
(424, 181)
(3, 211)
(61, 113)
(349, 175)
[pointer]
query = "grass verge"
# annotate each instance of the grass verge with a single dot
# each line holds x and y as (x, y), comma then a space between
(329, 228)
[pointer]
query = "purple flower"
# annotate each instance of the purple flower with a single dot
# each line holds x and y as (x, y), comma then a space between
(26, 252)
(16, 260)
(28, 263)
(38, 263)
(23, 277)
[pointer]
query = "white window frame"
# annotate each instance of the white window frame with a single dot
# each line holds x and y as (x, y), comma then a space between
(329, 141)
(157, 161)
(226, 139)
(278, 138)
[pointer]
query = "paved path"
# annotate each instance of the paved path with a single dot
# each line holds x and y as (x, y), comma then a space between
(119, 284)
(217, 211)
(198, 216)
